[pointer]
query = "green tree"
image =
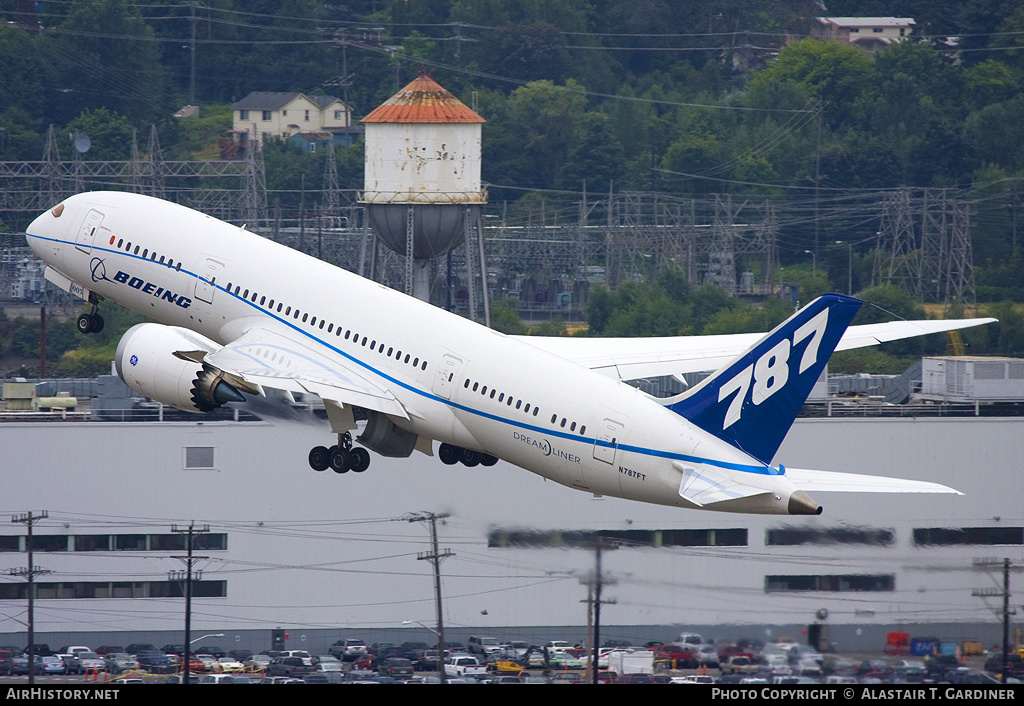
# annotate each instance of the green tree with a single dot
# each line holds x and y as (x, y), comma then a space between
(835, 72)
(505, 317)
(105, 56)
(596, 156)
(110, 135)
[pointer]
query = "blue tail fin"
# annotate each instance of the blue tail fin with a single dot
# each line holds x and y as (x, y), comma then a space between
(752, 402)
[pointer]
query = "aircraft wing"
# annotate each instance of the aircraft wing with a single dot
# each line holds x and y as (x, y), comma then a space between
(267, 358)
(633, 358)
(833, 482)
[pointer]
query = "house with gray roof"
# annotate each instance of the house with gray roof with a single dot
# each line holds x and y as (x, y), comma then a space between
(310, 120)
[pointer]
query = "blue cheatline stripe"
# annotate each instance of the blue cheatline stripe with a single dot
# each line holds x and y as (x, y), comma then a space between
(589, 441)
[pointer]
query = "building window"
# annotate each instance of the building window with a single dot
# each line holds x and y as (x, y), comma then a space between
(947, 536)
(243, 115)
(337, 115)
(792, 536)
(843, 583)
(266, 115)
(307, 116)
(539, 539)
(199, 457)
(114, 589)
(174, 542)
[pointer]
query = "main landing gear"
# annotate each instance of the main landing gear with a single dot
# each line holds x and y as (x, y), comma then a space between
(450, 455)
(341, 458)
(91, 322)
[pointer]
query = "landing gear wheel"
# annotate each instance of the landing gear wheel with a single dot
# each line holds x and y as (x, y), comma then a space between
(470, 458)
(449, 454)
(341, 460)
(84, 323)
(488, 460)
(319, 458)
(97, 323)
(360, 459)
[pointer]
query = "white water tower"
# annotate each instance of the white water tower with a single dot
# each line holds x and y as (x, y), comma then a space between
(422, 178)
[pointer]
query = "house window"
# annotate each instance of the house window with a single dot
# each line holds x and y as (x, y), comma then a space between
(337, 115)
(243, 115)
(312, 147)
(307, 116)
(266, 115)
(284, 113)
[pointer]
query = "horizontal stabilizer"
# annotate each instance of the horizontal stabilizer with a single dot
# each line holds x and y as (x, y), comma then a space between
(833, 482)
(703, 485)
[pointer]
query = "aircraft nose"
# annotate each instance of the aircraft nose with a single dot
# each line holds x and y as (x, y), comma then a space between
(43, 232)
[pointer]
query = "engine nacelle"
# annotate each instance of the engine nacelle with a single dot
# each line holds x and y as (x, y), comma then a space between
(147, 363)
(385, 437)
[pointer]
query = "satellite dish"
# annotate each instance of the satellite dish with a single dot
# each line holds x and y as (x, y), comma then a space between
(82, 142)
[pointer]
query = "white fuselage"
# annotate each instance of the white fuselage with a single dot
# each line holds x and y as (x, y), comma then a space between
(460, 382)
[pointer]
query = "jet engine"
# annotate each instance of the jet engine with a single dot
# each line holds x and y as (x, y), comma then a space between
(165, 364)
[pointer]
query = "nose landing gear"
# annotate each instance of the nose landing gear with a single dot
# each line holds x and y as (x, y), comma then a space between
(91, 322)
(341, 458)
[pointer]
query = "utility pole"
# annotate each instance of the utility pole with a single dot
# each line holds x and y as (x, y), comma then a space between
(986, 565)
(596, 583)
(28, 519)
(189, 560)
(435, 557)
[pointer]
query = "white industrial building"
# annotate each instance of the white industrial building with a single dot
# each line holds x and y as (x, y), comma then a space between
(323, 555)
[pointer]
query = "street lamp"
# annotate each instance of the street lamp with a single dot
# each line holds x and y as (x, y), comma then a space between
(814, 262)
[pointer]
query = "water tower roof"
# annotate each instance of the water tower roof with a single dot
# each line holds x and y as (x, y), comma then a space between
(423, 101)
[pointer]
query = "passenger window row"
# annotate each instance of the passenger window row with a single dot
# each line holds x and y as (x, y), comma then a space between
(145, 253)
(324, 325)
(511, 401)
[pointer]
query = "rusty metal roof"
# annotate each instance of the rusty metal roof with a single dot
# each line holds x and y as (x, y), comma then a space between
(423, 101)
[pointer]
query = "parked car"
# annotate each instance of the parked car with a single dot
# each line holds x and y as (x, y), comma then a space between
(348, 650)
(257, 663)
(396, 667)
(72, 664)
(212, 650)
(90, 662)
(289, 667)
(118, 662)
(52, 664)
(104, 650)
(228, 664)
(17, 664)
(1014, 665)
(740, 664)
(154, 662)
(481, 645)
(463, 665)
